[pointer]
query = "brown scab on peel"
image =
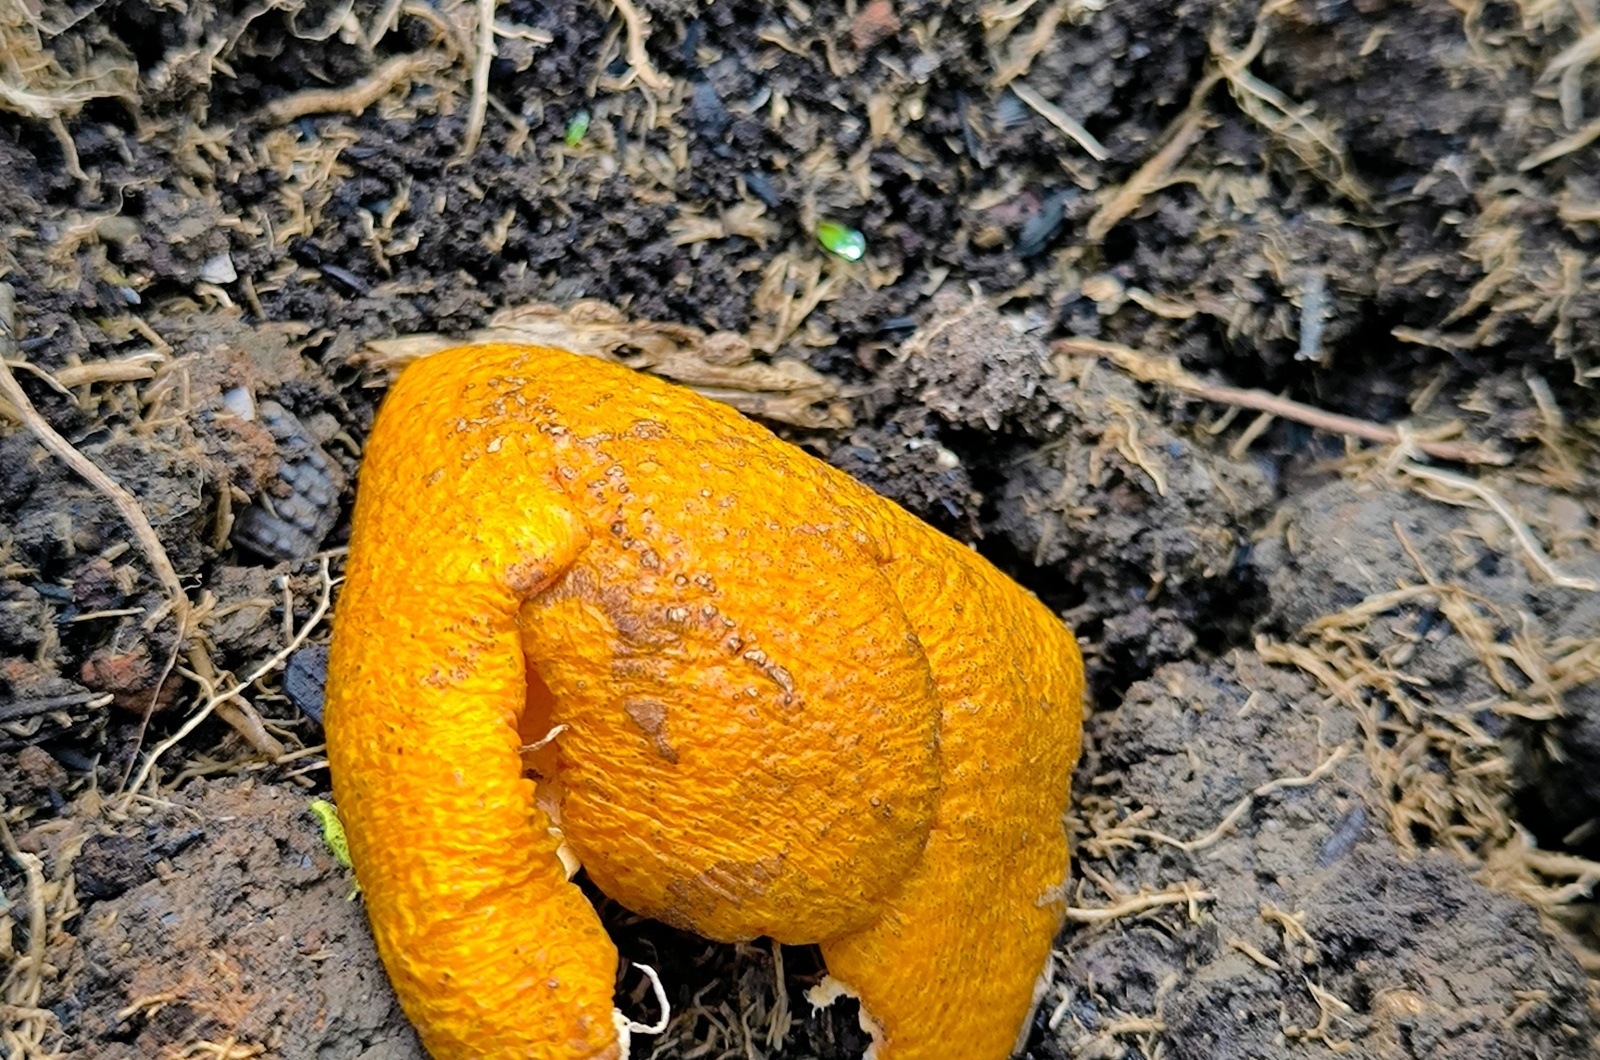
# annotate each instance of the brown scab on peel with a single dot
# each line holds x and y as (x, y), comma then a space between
(651, 717)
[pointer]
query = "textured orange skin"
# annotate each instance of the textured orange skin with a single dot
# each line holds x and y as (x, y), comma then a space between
(792, 710)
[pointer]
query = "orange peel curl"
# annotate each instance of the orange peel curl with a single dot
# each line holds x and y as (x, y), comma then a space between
(781, 706)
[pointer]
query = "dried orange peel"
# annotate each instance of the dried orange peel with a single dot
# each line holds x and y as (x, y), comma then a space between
(780, 706)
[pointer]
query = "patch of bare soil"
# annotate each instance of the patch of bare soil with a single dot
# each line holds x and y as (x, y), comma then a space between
(1238, 796)
(1257, 339)
(221, 917)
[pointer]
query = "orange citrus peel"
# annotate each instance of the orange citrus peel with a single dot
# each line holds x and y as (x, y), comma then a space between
(590, 615)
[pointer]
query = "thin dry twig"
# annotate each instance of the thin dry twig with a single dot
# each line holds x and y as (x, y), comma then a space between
(1329, 1007)
(1020, 61)
(132, 369)
(1167, 371)
(229, 1048)
(1184, 132)
(1278, 114)
(236, 712)
(1254, 953)
(1180, 135)
(18, 406)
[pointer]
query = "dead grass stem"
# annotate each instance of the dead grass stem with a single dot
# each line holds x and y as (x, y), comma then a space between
(637, 25)
(1168, 372)
(355, 98)
(1180, 135)
(483, 57)
(1540, 563)
(1024, 52)
(1183, 894)
(1292, 124)
(34, 84)
(1233, 816)
(26, 1025)
(1061, 120)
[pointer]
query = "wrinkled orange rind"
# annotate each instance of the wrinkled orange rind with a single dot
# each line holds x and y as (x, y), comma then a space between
(783, 707)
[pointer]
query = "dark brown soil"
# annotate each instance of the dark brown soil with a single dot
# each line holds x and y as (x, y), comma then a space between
(223, 916)
(1382, 210)
(1318, 928)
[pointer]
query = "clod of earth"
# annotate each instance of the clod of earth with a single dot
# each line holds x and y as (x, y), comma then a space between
(591, 618)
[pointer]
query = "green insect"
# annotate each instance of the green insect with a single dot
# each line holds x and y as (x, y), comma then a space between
(577, 127)
(333, 835)
(332, 830)
(841, 240)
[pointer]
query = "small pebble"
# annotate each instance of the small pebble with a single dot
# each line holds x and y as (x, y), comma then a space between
(1344, 837)
(219, 269)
